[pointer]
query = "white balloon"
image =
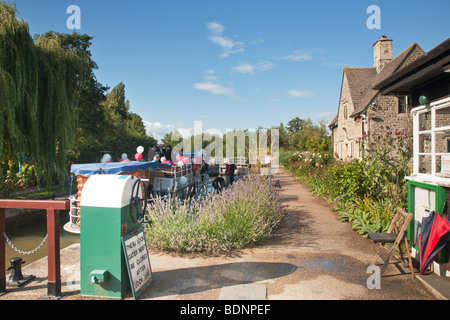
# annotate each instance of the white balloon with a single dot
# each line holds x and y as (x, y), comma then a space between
(140, 149)
(106, 157)
(124, 156)
(183, 180)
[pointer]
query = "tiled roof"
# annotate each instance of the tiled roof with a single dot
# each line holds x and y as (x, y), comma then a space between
(359, 82)
(362, 80)
(390, 68)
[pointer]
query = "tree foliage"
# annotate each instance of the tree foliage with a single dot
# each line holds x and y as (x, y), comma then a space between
(51, 105)
(39, 82)
(304, 135)
(124, 130)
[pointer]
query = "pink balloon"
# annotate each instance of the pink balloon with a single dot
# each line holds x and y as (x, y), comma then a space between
(138, 156)
(185, 160)
(198, 160)
(179, 157)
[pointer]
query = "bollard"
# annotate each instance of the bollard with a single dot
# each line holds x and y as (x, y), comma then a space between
(16, 278)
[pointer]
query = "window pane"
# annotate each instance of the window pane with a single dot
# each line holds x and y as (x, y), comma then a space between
(424, 121)
(425, 164)
(402, 104)
(442, 117)
(425, 143)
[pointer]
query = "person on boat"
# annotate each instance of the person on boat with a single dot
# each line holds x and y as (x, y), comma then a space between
(169, 152)
(164, 160)
(160, 151)
(156, 159)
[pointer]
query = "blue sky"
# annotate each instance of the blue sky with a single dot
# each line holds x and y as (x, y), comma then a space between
(236, 64)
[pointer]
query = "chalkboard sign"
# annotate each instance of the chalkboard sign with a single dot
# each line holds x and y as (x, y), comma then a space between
(138, 262)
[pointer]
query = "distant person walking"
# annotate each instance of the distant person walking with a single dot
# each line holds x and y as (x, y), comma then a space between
(229, 172)
(204, 171)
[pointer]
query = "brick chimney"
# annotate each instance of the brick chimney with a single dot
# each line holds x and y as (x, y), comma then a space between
(382, 53)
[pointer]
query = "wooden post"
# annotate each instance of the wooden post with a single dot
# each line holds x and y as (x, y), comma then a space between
(53, 245)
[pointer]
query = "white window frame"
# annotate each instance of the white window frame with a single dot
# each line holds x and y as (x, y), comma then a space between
(431, 109)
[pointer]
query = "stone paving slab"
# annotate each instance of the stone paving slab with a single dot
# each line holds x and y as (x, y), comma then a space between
(243, 292)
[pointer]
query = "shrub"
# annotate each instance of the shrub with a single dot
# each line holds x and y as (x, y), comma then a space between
(245, 214)
(14, 180)
(388, 154)
(351, 179)
(364, 192)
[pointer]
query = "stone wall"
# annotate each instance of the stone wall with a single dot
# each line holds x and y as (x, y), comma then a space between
(385, 111)
(348, 130)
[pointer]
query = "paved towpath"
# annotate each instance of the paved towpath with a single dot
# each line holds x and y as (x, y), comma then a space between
(312, 256)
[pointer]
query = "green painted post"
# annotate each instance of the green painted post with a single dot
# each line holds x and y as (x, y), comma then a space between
(105, 218)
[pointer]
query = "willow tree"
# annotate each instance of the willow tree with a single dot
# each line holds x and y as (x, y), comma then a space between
(125, 129)
(39, 83)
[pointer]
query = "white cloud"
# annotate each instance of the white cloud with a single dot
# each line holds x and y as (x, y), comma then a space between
(211, 86)
(301, 93)
(298, 55)
(214, 88)
(227, 45)
(159, 130)
(210, 76)
(244, 68)
(264, 66)
(185, 133)
(256, 41)
(215, 27)
(247, 68)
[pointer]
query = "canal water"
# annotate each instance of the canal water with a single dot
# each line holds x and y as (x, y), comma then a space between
(27, 238)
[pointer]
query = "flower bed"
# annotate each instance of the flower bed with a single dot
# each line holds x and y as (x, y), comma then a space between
(364, 192)
(243, 215)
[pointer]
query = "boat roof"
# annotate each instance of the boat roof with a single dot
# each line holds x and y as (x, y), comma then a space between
(89, 169)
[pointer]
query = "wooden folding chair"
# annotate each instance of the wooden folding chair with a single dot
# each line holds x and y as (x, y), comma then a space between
(396, 235)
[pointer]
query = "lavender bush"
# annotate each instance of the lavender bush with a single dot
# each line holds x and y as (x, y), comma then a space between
(243, 215)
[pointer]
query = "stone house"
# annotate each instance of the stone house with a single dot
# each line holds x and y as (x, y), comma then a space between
(362, 108)
(427, 82)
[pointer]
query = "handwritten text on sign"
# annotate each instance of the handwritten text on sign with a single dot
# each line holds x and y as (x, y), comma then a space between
(138, 261)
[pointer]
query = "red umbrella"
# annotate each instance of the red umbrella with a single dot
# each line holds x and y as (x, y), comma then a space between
(433, 239)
